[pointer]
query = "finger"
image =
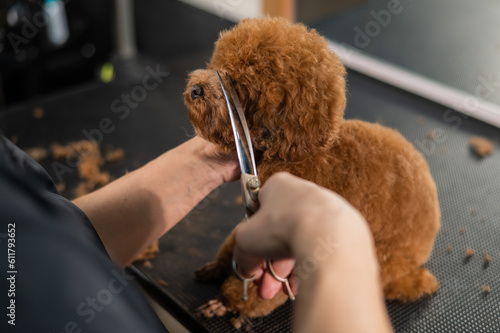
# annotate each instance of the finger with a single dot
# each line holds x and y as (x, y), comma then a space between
(269, 285)
(283, 267)
(260, 239)
(248, 266)
(267, 233)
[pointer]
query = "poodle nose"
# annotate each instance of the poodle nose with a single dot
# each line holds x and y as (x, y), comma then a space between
(196, 91)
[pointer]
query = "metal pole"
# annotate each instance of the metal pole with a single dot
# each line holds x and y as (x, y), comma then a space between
(125, 29)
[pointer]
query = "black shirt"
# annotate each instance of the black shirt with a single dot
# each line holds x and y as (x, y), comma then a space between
(56, 273)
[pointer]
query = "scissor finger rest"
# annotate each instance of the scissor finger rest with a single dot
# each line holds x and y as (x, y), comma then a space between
(244, 295)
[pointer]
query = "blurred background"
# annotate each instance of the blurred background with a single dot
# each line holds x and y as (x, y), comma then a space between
(49, 45)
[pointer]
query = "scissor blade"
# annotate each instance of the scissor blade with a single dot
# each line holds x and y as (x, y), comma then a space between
(241, 134)
(243, 121)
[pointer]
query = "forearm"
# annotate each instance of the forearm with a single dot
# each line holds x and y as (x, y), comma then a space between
(343, 293)
(133, 211)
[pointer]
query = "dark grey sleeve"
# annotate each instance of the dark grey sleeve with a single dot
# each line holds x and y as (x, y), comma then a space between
(55, 273)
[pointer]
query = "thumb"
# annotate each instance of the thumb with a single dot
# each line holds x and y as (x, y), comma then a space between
(248, 263)
(256, 239)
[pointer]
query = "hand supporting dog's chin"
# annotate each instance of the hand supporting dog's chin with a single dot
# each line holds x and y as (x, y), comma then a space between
(225, 162)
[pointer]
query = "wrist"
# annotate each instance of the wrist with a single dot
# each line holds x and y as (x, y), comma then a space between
(217, 162)
(191, 162)
(207, 159)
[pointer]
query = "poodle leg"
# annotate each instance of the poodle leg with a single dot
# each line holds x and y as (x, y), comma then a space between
(212, 271)
(221, 266)
(411, 286)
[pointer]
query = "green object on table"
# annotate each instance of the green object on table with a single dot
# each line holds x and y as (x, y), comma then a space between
(107, 72)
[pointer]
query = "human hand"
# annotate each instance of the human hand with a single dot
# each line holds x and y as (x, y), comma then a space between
(279, 229)
(300, 220)
(221, 161)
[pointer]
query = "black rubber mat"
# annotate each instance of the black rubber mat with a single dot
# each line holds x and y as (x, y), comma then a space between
(469, 193)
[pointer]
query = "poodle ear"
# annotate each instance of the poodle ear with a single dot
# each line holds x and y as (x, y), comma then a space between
(295, 123)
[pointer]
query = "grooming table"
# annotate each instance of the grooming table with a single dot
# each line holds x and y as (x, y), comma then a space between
(469, 192)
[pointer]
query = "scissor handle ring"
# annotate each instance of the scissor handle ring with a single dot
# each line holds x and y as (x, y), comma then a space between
(280, 279)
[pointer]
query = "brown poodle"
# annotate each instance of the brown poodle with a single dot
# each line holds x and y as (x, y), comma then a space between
(292, 89)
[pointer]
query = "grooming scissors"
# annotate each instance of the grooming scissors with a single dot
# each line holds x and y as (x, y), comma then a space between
(250, 183)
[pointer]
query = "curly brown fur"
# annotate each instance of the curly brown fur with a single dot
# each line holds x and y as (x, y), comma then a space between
(292, 88)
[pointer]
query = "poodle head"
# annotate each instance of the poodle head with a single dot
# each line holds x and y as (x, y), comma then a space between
(291, 87)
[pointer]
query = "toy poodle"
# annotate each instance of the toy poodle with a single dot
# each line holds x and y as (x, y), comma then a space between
(292, 88)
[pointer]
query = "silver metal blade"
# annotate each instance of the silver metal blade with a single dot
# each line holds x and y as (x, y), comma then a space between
(240, 129)
(243, 120)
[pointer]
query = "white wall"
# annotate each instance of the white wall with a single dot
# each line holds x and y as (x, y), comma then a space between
(232, 10)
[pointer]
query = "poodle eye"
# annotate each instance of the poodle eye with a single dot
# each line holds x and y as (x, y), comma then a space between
(196, 91)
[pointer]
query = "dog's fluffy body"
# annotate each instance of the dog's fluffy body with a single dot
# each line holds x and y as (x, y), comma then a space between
(292, 88)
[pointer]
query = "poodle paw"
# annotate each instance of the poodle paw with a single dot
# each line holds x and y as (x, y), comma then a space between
(211, 271)
(214, 307)
(412, 286)
(242, 322)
